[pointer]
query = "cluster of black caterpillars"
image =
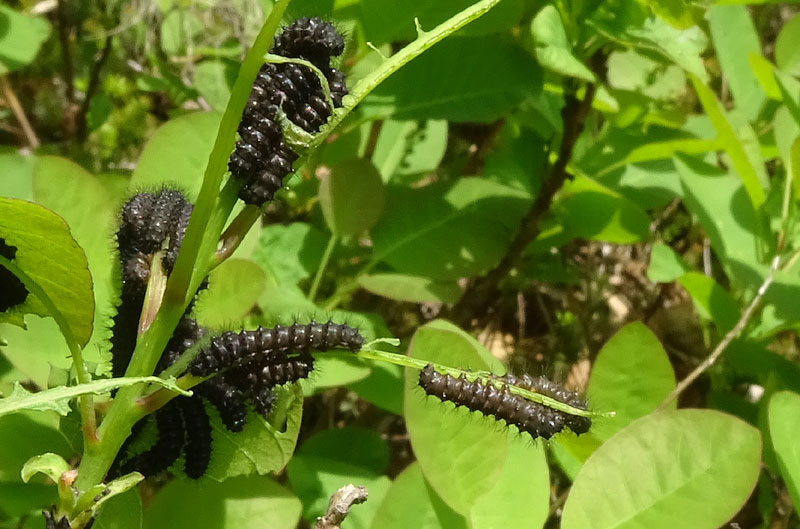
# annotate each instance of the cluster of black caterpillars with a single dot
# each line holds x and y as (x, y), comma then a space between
(247, 365)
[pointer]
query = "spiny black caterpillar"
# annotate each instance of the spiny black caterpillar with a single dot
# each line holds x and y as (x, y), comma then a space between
(231, 349)
(482, 396)
(13, 292)
(262, 159)
(544, 386)
(256, 361)
(149, 222)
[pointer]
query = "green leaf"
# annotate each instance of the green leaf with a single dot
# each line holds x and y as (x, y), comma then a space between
(470, 460)
(741, 163)
(409, 147)
(784, 422)
(385, 21)
(735, 38)
(57, 399)
(233, 290)
(411, 288)
(456, 231)
(589, 210)
(177, 153)
(383, 387)
(435, 86)
(178, 29)
(18, 171)
(665, 265)
(49, 256)
(631, 377)
(21, 37)
(552, 47)
(263, 446)
(333, 458)
(763, 70)
(787, 47)
(429, 512)
(652, 473)
(27, 435)
(213, 80)
(50, 464)
(677, 12)
(727, 215)
(685, 47)
(711, 300)
(247, 502)
(66, 188)
(351, 197)
(121, 512)
(289, 253)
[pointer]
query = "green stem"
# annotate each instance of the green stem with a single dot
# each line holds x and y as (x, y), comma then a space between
(209, 216)
(326, 257)
(86, 402)
(419, 364)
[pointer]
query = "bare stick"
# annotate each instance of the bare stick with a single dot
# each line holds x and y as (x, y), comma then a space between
(19, 113)
(339, 506)
(728, 338)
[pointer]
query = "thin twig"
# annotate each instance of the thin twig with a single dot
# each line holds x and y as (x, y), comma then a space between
(94, 82)
(727, 339)
(339, 506)
(66, 56)
(574, 116)
(19, 113)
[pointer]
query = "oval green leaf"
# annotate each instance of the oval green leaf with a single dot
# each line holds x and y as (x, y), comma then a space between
(47, 253)
(492, 475)
(683, 468)
(784, 423)
(234, 288)
(411, 288)
(351, 197)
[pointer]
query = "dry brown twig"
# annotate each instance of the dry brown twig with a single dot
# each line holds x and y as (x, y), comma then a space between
(339, 506)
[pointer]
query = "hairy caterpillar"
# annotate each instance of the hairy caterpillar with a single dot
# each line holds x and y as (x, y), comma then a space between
(231, 349)
(197, 450)
(482, 396)
(262, 159)
(171, 439)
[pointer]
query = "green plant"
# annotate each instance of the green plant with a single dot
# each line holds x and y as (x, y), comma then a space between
(620, 163)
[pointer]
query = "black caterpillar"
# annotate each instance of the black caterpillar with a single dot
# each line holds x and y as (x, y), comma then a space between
(231, 349)
(197, 451)
(549, 388)
(13, 292)
(147, 222)
(171, 439)
(261, 159)
(482, 396)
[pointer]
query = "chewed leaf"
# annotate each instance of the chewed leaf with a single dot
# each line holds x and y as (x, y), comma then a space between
(39, 243)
